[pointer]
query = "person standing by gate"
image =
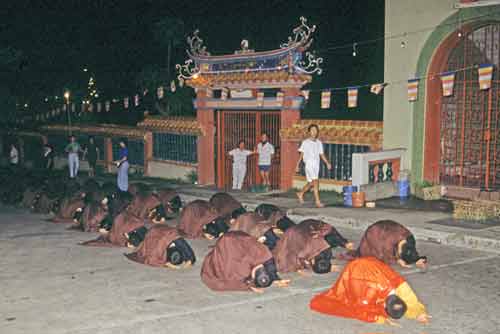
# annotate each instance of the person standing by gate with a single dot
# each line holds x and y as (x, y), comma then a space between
(311, 151)
(123, 166)
(73, 148)
(265, 150)
(92, 153)
(239, 155)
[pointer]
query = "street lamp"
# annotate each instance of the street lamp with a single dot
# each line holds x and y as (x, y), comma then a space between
(66, 98)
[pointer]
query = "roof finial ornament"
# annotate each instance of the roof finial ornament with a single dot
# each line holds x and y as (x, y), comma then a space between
(196, 47)
(301, 35)
(311, 64)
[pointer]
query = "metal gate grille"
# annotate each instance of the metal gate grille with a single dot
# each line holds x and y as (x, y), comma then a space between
(470, 119)
(233, 126)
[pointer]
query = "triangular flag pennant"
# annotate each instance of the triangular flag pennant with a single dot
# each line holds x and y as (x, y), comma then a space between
(485, 74)
(99, 106)
(377, 88)
(447, 80)
(352, 97)
(223, 94)
(107, 105)
(125, 102)
(279, 98)
(260, 99)
(172, 86)
(160, 92)
(325, 99)
(305, 94)
(136, 100)
(413, 90)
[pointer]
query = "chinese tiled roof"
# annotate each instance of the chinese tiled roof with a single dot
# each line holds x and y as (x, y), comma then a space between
(221, 79)
(339, 132)
(180, 125)
(103, 130)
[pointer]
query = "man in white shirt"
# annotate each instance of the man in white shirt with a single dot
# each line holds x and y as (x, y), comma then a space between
(239, 155)
(14, 155)
(311, 151)
(265, 150)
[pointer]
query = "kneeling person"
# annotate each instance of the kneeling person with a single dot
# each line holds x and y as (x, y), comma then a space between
(238, 262)
(163, 246)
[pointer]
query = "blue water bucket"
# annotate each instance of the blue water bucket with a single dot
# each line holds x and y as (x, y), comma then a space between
(348, 190)
(404, 188)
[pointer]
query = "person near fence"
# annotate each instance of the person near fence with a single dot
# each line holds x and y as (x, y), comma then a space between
(73, 148)
(13, 156)
(311, 152)
(239, 155)
(123, 165)
(92, 154)
(48, 157)
(265, 150)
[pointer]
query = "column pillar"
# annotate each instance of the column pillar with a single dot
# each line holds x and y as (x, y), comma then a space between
(148, 152)
(108, 154)
(289, 149)
(206, 141)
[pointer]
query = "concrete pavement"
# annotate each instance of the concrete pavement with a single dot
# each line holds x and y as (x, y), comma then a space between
(52, 285)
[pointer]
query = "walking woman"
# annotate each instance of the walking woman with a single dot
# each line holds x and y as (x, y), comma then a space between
(123, 165)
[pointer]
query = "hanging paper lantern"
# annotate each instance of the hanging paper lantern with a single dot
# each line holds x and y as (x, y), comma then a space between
(136, 100)
(172, 86)
(305, 94)
(64, 107)
(160, 92)
(352, 97)
(413, 90)
(99, 106)
(447, 81)
(279, 98)
(91, 107)
(224, 93)
(485, 74)
(125, 102)
(325, 99)
(107, 106)
(73, 107)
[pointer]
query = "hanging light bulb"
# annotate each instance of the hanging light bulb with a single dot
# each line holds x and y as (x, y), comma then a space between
(354, 49)
(460, 34)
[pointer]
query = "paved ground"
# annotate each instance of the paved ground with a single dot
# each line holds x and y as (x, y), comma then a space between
(52, 285)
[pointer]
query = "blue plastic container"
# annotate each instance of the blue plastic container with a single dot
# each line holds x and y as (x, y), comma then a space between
(404, 188)
(348, 190)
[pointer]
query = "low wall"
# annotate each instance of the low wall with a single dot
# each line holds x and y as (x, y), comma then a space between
(170, 169)
(324, 184)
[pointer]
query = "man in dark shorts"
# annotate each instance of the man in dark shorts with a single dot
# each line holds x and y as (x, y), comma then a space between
(265, 150)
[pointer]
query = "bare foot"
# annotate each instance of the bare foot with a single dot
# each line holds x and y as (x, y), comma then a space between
(304, 273)
(320, 205)
(257, 290)
(283, 283)
(300, 196)
(334, 268)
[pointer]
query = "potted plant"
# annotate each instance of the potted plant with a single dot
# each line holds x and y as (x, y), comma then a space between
(427, 191)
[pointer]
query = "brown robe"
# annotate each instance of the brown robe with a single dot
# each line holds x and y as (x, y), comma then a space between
(252, 224)
(381, 240)
(125, 222)
(93, 215)
(300, 244)
(153, 250)
(165, 196)
(68, 208)
(230, 263)
(224, 203)
(194, 216)
(142, 204)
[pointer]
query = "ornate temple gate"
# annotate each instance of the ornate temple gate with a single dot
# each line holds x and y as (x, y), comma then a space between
(241, 95)
(470, 119)
(233, 126)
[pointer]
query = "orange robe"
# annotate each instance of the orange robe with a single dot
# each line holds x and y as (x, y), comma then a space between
(361, 290)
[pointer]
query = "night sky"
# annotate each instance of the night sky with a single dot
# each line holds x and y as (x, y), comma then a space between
(45, 45)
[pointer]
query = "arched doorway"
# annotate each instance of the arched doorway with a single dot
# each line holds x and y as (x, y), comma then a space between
(462, 140)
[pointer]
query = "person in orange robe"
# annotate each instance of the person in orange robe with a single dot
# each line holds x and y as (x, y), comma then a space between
(371, 291)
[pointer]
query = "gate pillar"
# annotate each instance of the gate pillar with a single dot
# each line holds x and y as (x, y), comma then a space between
(289, 149)
(206, 142)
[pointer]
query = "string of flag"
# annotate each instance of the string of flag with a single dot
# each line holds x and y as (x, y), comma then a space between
(485, 75)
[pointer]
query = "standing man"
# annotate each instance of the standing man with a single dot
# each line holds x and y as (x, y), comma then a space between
(265, 150)
(239, 155)
(92, 154)
(311, 151)
(123, 166)
(73, 149)
(14, 156)
(48, 157)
